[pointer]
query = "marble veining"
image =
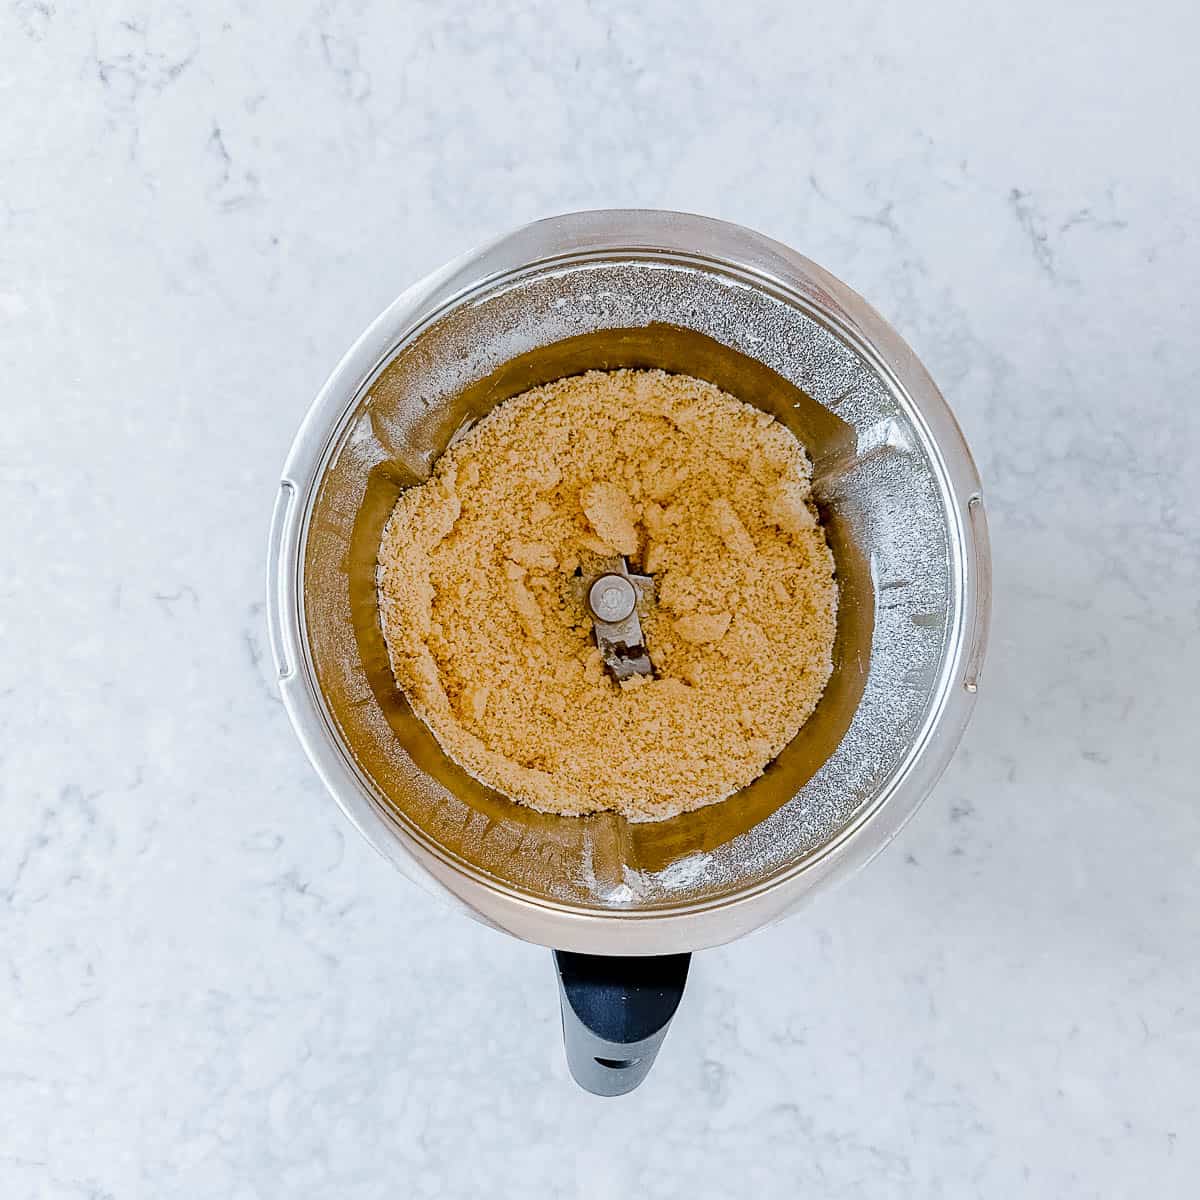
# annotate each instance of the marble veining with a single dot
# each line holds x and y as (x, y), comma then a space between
(209, 986)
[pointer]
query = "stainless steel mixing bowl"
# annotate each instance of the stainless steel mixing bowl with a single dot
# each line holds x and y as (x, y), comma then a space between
(893, 478)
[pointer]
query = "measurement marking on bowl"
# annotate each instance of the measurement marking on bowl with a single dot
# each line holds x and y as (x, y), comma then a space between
(927, 620)
(840, 398)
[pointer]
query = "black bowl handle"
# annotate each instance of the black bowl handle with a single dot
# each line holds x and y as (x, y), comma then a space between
(615, 1014)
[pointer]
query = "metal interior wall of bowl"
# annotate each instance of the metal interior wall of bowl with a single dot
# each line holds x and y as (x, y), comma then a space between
(875, 480)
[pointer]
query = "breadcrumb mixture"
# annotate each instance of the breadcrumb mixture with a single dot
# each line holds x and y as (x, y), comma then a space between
(488, 634)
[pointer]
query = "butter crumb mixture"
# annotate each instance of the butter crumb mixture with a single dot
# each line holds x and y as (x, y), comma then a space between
(486, 628)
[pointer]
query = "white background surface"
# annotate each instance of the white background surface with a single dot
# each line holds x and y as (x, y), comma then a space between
(208, 986)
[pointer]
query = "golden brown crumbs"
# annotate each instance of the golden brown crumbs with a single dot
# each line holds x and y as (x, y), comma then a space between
(486, 628)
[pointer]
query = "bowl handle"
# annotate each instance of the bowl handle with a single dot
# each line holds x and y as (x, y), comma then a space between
(615, 1015)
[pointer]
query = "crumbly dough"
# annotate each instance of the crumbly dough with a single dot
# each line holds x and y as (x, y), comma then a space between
(488, 635)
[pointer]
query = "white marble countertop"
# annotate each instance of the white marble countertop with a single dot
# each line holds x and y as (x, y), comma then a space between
(209, 987)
